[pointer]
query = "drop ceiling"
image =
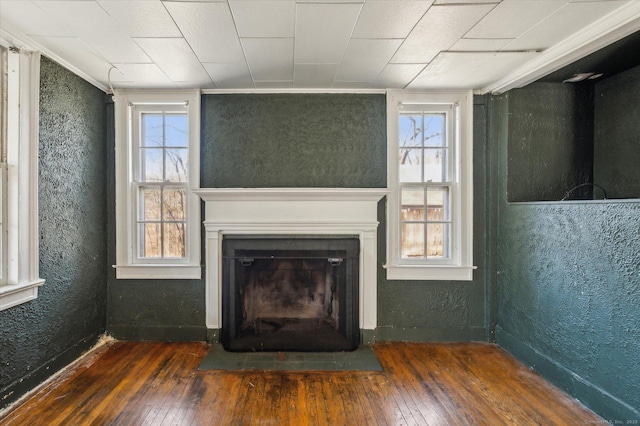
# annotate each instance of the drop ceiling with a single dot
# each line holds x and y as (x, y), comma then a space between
(484, 45)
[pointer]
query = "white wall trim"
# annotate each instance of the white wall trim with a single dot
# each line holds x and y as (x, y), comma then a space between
(23, 89)
(286, 211)
(291, 90)
(609, 29)
(23, 41)
(126, 266)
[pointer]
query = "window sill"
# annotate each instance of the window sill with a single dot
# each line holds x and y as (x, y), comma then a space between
(158, 272)
(430, 273)
(15, 294)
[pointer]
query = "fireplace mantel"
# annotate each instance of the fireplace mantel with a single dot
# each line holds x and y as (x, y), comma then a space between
(292, 211)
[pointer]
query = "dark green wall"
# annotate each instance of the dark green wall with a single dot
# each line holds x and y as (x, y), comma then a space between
(443, 310)
(309, 140)
(293, 140)
(41, 336)
(170, 310)
(551, 147)
(568, 277)
(617, 134)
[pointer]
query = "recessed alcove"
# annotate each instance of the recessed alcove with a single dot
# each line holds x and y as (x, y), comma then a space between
(580, 140)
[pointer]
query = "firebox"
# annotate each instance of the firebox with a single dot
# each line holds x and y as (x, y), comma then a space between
(290, 293)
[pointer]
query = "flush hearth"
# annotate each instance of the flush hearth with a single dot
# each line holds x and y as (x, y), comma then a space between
(290, 293)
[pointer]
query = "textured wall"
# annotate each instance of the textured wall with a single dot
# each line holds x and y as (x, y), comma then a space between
(314, 140)
(617, 134)
(551, 146)
(293, 140)
(41, 336)
(148, 309)
(569, 289)
(441, 310)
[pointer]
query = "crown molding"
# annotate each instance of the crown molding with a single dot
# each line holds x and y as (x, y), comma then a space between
(22, 41)
(609, 29)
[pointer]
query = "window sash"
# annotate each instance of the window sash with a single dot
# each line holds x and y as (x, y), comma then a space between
(458, 105)
(129, 104)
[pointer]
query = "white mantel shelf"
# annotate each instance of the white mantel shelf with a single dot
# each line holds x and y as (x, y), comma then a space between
(292, 211)
(290, 194)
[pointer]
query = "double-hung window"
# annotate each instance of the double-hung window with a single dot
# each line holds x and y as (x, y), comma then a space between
(158, 220)
(19, 116)
(429, 221)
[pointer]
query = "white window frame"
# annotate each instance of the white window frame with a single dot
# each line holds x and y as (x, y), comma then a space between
(459, 266)
(129, 265)
(20, 90)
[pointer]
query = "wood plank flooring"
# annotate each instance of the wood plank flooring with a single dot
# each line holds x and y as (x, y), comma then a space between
(144, 383)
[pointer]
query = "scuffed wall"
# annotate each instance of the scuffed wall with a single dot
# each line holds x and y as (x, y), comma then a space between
(41, 336)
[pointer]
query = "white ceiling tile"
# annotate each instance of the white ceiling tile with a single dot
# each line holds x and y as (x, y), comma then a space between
(264, 18)
(323, 31)
(90, 23)
(509, 19)
(397, 76)
(175, 58)
(563, 23)
(269, 58)
(142, 18)
(229, 76)
(30, 19)
(314, 75)
(209, 29)
(480, 44)
(438, 30)
(389, 19)
(364, 59)
(473, 70)
(142, 75)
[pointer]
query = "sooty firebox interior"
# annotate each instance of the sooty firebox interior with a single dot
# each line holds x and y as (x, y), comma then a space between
(294, 293)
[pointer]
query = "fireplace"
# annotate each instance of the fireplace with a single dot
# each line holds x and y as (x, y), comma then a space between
(283, 213)
(294, 293)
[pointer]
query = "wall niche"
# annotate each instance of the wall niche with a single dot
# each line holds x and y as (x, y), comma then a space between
(575, 141)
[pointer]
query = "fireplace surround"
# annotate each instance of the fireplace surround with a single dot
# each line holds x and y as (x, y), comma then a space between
(290, 292)
(297, 212)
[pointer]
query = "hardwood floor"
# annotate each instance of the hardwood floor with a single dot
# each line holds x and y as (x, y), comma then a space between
(143, 383)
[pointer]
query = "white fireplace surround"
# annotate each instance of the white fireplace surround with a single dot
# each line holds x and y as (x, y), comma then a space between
(292, 211)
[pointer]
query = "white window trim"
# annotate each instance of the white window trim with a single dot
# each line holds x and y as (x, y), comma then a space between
(22, 278)
(127, 266)
(460, 266)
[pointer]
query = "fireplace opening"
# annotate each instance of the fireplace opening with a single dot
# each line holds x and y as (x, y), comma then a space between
(294, 293)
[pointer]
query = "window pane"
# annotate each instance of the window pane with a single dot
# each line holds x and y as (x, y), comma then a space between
(174, 204)
(174, 240)
(176, 130)
(434, 133)
(435, 165)
(412, 204)
(412, 240)
(150, 240)
(437, 240)
(411, 165)
(152, 130)
(437, 204)
(151, 165)
(176, 164)
(410, 130)
(149, 208)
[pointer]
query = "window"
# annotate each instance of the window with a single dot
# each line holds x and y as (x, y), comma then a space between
(429, 208)
(157, 157)
(19, 91)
